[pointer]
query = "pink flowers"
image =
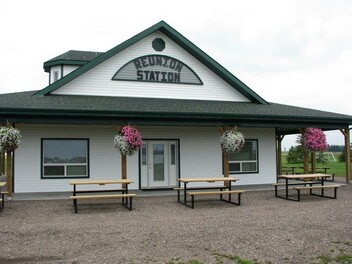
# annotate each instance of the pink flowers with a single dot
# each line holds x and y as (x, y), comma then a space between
(128, 141)
(314, 139)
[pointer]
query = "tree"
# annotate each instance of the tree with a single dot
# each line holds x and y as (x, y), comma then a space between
(295, 154)
(342, 156)
(320, 158)
(335, 148)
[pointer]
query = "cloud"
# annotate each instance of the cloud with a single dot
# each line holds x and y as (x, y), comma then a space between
(288, 51)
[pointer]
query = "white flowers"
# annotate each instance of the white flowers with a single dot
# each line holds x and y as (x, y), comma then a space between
(9, 139)
(122, 146)
(128, 141)
(231, 141)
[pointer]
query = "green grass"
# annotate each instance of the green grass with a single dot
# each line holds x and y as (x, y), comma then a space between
(329, 258)
(337, 168)
(341, 258)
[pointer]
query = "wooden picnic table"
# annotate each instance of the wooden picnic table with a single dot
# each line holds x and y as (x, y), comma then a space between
(222, 189)
(100, 192)
(290, 169)
(319, 169)
(316, 179)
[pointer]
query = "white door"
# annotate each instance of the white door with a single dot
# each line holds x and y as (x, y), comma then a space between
(159, 164)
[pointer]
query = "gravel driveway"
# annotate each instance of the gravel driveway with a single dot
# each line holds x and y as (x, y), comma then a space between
(264, 229)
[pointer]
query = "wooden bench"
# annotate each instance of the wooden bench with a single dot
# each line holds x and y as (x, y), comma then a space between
(122, 190)
(179, 189)
(321, 187)
(221, 193)
(124, 196)
(278, 184)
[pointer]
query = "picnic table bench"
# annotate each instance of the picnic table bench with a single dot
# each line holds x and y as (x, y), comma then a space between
(221, 193)
(321, 187)
(314, 182)
(221, 190)
(102, 193)
(2, 195)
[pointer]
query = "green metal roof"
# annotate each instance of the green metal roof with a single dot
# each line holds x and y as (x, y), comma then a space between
(71, 57)
(23, 107)
(177, 38)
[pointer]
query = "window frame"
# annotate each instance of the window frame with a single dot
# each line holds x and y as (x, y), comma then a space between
(64, 164)
(257, 161)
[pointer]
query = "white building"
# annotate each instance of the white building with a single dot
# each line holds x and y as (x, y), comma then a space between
(173, 92)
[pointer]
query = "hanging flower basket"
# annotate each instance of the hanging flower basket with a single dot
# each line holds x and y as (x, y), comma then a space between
(9, 139)
(231, 141)
(128, 141)
(314, 139)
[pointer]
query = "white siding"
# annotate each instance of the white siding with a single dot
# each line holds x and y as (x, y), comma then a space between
(69, 68)
(98, 81)
(104, 159)
(200, 154)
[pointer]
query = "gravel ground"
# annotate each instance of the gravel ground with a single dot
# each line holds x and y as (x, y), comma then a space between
(264, 229)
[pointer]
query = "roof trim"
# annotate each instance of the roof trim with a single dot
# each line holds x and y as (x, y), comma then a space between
(48, 65)
(177, 38)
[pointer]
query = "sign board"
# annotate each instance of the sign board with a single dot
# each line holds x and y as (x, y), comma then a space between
(157, 68)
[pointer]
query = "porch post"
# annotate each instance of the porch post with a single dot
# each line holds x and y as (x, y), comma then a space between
(226, 164)
(305, 158)
(346, 133)
(279, 139)
(348, 156)
(305, 162)
(313, 162)
(2, 163)
(123, 169)
(9, 172)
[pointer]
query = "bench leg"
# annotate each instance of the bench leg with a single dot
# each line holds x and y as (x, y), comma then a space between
(127, 204)
(3, 200)
(75, 205)
(178, 195)
(130, 207)
(192, 201)
(325, 196)
(230, 201)
(299, 195)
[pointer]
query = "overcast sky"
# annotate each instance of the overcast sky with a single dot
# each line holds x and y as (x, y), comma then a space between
(296, 52)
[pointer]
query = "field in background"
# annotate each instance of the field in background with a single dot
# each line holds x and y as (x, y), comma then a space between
(336, 167)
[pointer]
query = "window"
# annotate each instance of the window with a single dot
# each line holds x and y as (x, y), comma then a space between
(173, 154)
(56, 76)
(245, 161)
(144, 154)
(65, 158)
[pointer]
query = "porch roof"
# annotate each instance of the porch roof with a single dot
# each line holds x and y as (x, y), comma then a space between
(24, 107)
